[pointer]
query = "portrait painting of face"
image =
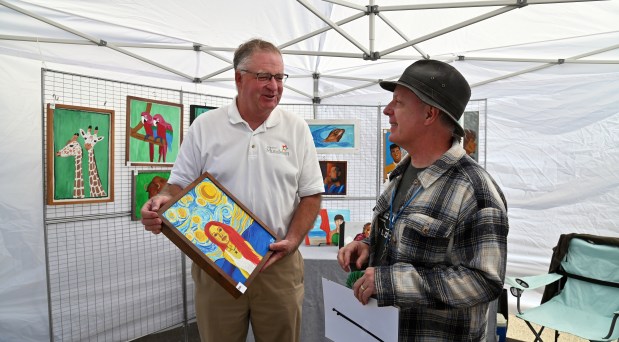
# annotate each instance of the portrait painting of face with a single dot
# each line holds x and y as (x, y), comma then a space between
(392, 154)
(334, 174)
(218, 232)
(471, 132)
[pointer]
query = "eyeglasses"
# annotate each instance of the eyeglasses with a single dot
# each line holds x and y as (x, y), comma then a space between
(266, 76)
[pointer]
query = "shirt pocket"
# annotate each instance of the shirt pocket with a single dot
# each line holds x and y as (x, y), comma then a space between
(423, 240)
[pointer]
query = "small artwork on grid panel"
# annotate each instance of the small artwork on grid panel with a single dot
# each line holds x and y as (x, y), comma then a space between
(334, 174)
(329, 228)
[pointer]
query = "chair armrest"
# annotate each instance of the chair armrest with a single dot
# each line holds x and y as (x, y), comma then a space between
(519, 284)
(532, 282)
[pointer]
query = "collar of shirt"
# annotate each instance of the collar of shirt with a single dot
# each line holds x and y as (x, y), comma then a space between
(427, 177)
(437, 169)
(235, 116)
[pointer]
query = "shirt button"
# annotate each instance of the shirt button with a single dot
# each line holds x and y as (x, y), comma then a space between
(253, 146)
(425, 230)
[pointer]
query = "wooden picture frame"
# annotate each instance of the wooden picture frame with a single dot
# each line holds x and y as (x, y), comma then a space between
(197, 110)
(335, 136)
(154, 132)
(80, 155)
(195, 221)
(144, 185)
(334, 175)
(391, 152)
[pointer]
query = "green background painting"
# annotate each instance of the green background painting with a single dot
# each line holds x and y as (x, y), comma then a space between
(140, 184)
(66, 123)
(196, 110)
(138, 149)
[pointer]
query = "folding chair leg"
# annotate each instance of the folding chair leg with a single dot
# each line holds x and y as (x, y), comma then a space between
(538, 334)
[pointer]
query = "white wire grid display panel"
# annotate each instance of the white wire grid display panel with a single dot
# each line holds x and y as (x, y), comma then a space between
(362, 165)
(108, 279)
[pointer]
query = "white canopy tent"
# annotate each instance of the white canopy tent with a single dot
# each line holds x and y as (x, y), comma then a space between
(548, 69)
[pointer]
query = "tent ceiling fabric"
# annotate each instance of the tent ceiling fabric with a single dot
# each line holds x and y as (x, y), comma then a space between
(157, 38)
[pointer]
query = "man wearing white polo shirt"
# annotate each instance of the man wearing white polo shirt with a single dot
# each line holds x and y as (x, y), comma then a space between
(266, 158)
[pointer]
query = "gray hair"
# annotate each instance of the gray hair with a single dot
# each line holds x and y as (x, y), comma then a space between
(247, 49)
(448, 123)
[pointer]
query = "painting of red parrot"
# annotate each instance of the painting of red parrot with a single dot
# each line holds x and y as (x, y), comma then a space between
(153, 126)
(165, 135)
(148, 122)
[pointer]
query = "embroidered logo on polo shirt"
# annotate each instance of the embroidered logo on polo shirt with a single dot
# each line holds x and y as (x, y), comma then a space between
(278, 149)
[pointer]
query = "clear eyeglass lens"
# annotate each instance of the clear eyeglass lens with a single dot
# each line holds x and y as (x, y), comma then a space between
(265, 77)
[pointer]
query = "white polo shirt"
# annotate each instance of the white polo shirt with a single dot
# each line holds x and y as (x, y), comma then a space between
(268, 169)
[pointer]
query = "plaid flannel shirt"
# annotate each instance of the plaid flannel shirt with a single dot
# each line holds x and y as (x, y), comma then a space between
(447, 253)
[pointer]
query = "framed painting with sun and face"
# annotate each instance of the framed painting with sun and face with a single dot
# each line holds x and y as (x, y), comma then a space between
(218, 233)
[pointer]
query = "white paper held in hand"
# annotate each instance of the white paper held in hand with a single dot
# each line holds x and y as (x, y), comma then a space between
(346, 319)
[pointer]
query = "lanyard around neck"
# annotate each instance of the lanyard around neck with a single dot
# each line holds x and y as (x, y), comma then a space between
(394, 218)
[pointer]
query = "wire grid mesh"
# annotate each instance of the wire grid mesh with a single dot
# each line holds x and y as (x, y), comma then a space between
(109, 280)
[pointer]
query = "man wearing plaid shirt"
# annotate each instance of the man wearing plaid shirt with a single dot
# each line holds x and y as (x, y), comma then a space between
(438, 245)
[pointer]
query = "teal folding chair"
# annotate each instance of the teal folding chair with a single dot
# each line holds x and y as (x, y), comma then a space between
(582, 289)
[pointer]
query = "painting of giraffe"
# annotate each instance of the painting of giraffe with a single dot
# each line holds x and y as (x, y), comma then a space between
(153, 125)
(73, 149)
(90, 140)
(66, 172)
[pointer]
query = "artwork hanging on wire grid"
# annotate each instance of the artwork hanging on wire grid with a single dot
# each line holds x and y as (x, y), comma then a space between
(197, 110)
(334, 175)
(154, 131)
(471, 133)
(329, 228)
(218, 233)
(145, 184)
(335, 136)
(392, 154)
(80, 155)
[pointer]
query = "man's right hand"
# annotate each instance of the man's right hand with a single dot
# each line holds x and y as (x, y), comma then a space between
(150, 218)
(357, 252)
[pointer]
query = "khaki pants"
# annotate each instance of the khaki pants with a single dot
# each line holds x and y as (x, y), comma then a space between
(272, 303)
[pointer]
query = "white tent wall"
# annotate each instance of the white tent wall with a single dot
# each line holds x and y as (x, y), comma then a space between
(23, 286)
(552, 134)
